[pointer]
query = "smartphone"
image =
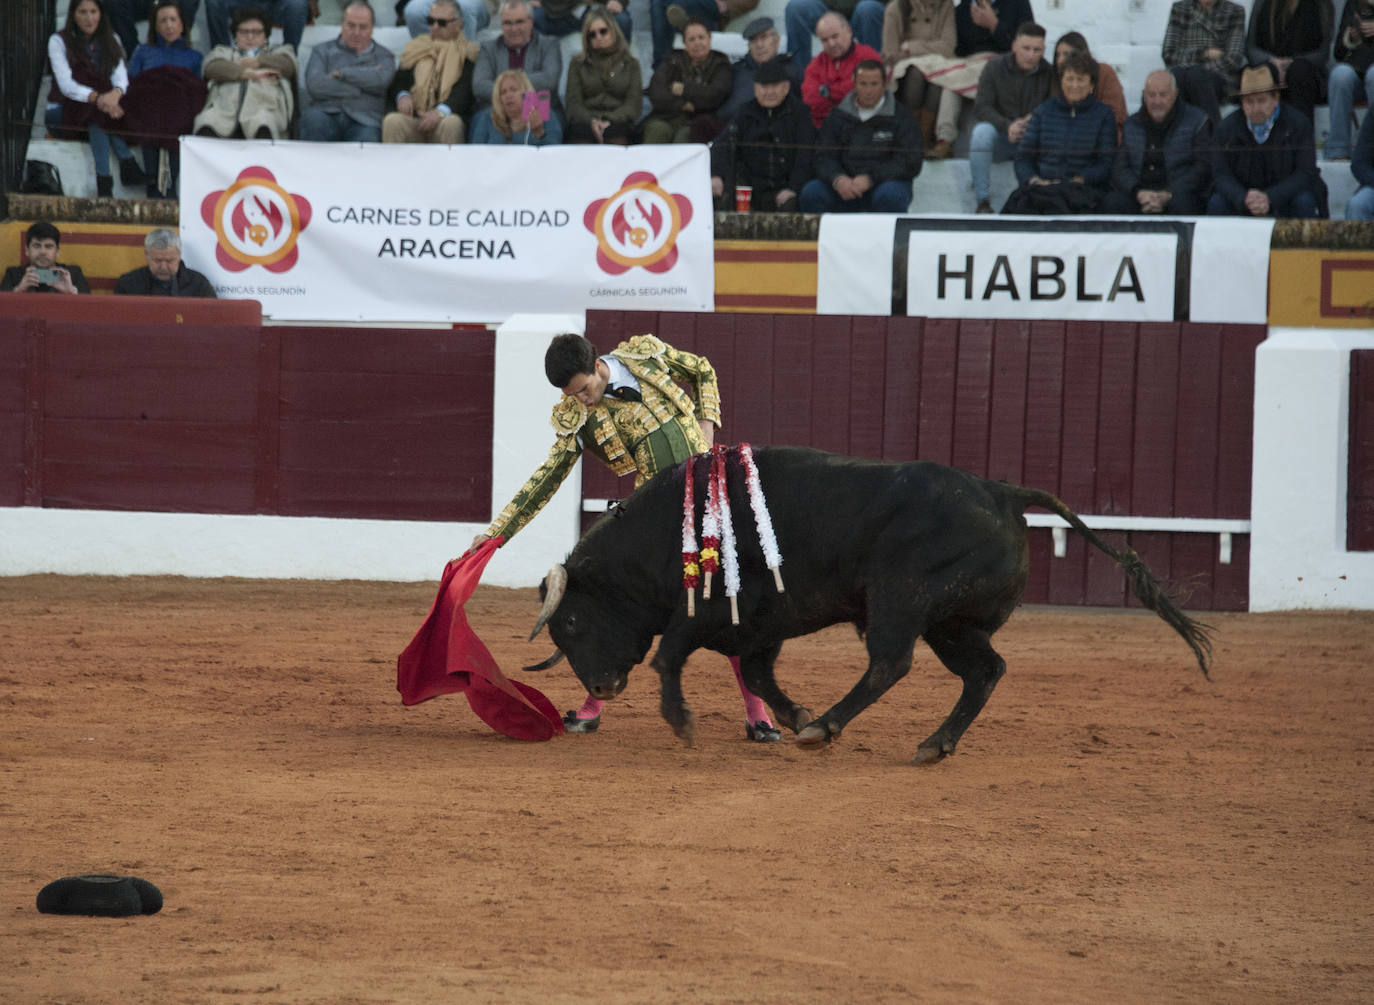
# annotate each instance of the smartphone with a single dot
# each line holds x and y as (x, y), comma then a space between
(48, 277)
(535, 101)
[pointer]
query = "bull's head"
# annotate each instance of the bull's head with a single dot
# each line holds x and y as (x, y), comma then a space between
(598, 639)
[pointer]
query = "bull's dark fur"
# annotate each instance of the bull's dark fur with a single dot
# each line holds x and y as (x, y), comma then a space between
(903, 551)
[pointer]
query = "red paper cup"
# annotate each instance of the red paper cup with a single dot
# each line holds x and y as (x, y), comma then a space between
(743, 194)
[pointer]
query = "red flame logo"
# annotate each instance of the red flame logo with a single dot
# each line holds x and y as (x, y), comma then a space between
(256, 222)
(638, 226)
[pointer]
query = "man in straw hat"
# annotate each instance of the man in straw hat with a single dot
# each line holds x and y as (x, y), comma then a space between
(1265, 160)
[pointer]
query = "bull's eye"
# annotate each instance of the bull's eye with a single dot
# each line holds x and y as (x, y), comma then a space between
(570, 624)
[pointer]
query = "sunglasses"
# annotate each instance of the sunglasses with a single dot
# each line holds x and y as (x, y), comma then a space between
(442, 22)
(599, 32)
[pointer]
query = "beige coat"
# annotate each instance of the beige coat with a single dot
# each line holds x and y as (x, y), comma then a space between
(252, 104)
(929, 31)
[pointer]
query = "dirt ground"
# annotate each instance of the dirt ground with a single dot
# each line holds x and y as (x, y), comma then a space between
(1113, 827)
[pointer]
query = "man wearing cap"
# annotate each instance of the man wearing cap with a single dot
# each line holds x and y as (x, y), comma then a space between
(763, 45)
(666, 17)
(768, 145)
(831, 74)
(1265, 159)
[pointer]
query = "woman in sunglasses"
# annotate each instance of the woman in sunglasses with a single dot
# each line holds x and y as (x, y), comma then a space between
(605, 92)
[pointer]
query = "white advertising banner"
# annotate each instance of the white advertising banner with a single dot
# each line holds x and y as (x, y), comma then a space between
(1097, 277)
(413, 232)
(1066, 268)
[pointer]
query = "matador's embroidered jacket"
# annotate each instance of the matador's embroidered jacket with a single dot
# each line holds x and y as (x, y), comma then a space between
(641, 436)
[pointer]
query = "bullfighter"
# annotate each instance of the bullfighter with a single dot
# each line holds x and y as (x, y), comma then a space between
(625, 408)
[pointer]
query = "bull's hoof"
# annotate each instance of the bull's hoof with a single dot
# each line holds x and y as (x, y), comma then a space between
(930, 755)
(813, 736)
(686, 731)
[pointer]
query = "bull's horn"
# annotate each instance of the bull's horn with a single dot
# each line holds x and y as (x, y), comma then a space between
(557, 655)
(554, 585)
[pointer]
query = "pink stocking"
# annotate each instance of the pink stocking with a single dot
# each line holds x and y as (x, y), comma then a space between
(590, 709)
(754, 709)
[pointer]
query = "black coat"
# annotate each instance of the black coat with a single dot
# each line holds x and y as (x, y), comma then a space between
(970, 38)
(14, 275)
(1187, 154)
(140, 283)
(1280, 168)
(886, 147)
(768, 148)
(460, 99)
(742, 87)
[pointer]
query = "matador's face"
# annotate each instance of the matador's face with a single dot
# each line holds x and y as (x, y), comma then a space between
(589, 388)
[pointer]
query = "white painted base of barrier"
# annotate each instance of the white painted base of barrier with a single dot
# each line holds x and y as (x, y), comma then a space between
(1298, 557)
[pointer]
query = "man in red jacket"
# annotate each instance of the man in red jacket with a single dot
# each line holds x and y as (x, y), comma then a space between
(830, 76)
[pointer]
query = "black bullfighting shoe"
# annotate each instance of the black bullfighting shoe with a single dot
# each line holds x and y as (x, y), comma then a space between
(762, 732)
(572, 724)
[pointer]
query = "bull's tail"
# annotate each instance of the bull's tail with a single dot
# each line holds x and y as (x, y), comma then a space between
(1149, 590)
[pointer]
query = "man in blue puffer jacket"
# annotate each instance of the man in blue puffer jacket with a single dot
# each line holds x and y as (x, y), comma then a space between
(1070, 142)
(1164, 164)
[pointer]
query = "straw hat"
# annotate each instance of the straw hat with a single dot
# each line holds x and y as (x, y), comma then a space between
(1257, 80)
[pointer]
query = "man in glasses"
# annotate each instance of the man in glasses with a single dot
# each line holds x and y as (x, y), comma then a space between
(290, 14)
(433, 86)
(473, 13)
(517, 48)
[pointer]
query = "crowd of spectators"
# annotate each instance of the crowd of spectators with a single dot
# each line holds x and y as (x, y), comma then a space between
(846, 129)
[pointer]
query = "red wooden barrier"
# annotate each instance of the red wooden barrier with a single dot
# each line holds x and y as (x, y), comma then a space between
(1360, 499)
(136, 411)
(1150, 420)
(127, 409)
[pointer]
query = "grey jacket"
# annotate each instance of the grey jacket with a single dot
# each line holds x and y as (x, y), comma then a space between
(1006, 92)
(360, 89)
(543, 65)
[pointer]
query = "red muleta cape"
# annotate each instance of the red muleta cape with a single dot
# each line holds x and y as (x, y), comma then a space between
(447, 656)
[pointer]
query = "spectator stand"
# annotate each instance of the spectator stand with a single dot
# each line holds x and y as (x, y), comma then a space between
(1126, 34)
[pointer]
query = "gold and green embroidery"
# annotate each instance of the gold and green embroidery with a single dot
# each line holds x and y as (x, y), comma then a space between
(644, 437)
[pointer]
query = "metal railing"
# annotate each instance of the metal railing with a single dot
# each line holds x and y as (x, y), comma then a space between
(24, 26)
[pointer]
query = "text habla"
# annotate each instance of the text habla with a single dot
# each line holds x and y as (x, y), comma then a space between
(1044, 280)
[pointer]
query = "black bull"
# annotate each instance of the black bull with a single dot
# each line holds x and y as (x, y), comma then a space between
(903, 551)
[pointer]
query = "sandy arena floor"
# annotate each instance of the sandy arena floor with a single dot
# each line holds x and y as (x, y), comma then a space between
(1112, 829)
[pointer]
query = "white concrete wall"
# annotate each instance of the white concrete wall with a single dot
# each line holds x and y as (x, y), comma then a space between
(98, 542)
(1298, 490)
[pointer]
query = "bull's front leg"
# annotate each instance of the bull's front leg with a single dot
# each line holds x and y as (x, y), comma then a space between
(668, 661)
(757, 670)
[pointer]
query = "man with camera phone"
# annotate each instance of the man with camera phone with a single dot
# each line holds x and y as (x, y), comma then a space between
(43, 274)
